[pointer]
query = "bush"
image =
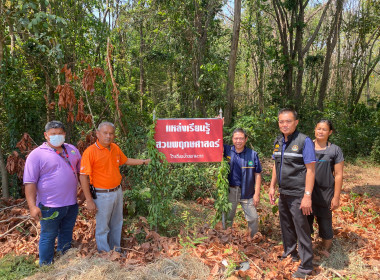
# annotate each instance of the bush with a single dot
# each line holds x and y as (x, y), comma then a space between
(193, 180)
(186, 181)
(375, 153)
(262, 129)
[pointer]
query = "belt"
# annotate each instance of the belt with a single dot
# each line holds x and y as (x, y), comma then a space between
(107, 190)
(234, 187)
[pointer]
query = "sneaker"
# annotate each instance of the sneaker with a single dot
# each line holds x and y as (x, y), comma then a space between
(299, 275)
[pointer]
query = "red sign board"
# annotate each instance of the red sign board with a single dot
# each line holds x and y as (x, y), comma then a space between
(190, 140)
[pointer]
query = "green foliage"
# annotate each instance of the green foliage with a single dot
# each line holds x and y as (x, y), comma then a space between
(261, 130)
(222, 205)
(231, 268)
(179, 48)
(192, 180)
(17, 267)
(21, 103)
(156, 178)
(188, 240)
(355, 133)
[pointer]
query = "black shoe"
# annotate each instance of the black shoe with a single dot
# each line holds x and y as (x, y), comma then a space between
(299, 275)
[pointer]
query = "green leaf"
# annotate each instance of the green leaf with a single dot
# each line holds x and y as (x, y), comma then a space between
(53, 216)
(275, 209)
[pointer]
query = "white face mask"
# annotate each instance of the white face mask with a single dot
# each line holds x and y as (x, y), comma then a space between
(57, 140)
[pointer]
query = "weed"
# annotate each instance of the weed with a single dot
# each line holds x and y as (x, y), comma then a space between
(231, 267)
(354, 195)
(188, 241)
(350, 208)
(17, 267)
(366, 195)
(373, 213)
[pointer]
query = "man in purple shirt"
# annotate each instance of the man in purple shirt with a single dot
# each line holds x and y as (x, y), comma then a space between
(51, 180)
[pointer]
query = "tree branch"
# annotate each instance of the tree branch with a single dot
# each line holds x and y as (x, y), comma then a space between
(316, 31)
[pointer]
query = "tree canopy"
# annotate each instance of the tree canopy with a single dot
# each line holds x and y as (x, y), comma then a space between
(86, 61)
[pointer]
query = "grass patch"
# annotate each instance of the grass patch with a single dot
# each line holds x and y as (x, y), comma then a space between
(17, 267)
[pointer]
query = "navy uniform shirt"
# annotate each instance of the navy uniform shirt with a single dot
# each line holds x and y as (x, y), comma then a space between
(243, 167)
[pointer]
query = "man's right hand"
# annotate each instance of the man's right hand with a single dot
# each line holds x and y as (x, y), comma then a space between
(35, 213)
(91, 206)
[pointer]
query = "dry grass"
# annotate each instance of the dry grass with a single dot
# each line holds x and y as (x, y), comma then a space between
(70, 267)
(343, 263)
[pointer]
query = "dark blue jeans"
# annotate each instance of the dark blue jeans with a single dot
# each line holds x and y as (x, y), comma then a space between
(61, 227)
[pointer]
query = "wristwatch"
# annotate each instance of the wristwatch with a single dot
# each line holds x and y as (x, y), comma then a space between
(307, 193)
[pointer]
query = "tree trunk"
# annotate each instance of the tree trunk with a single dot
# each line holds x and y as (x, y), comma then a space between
(2, 35)
(287, 19)
(300, 55)
(4, 176)
(2, 10)
(366, 77)
(3, 170)
(1, 46)
(330, 46)
(49, 98)
(141, 64)
(260, 39)
(232, 63)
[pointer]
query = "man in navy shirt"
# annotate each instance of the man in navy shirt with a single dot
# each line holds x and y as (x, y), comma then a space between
(244, 179)
(294, 171)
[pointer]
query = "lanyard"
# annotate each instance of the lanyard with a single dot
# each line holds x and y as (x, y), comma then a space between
(65, 156)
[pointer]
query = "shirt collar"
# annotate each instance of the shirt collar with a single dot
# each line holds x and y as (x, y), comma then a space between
(233, 149)
(98, 145)
(45, 145)
(290, 136)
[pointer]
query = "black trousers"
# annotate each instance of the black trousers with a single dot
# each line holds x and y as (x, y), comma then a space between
(295, 226)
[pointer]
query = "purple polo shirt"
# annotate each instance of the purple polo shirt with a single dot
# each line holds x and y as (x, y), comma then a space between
(55, 180)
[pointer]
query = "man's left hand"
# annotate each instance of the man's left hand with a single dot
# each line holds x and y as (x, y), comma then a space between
(306, 205)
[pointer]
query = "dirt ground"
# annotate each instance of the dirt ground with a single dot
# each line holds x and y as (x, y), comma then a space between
(362, 178)
(214, 253)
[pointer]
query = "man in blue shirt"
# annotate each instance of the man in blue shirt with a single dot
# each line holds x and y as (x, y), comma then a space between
(294, 171)
(244, 179)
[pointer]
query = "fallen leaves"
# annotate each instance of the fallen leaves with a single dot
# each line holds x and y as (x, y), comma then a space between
(356, 224)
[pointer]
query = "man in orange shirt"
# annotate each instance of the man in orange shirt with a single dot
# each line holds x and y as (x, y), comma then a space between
(100, 168)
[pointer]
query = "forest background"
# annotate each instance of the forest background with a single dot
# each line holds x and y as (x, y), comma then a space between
(188, 59)
(83, 62)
